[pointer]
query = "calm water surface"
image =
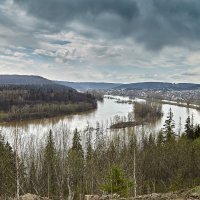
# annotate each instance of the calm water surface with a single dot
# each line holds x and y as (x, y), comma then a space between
(104, 114)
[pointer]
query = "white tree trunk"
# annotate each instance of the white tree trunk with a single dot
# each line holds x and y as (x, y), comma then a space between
(71, 194)
(16, 145)
(134, 175)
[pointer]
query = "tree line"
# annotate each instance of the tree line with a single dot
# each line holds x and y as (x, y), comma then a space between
(147, 111)
(68, 168)
(28, 102)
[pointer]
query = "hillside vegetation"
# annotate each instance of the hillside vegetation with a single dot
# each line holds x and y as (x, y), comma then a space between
(18, 102)
(59, 167)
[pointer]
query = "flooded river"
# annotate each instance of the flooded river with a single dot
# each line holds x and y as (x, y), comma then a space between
(104, 114)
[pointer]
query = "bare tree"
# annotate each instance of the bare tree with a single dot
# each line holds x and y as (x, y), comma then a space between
(17, 164)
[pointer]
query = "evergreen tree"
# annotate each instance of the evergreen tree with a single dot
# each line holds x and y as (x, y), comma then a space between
(169, 126)
(76, 146)
(49, 168)
(189, 128)
(117, 183)
(76, 165)
(160, 138)
(197, 131)
(7, 169)
(32, 178)
(89, 169)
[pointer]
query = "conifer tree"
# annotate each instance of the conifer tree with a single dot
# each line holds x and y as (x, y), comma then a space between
(169, 126)
(116, 182)
(76, 165)
(197, 131)
(89, 167)
(32, 178)
(160, 138)
(7, 169)
(49, 168)
(189, 128)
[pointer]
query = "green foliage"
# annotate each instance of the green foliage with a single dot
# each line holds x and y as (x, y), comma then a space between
(160, 138)
(192, 132)
(32, 102)
(189, 128)
(76, 146)
(76, 165)
(117, 183)
(169, 126)
(48, 176)
(196, 190)
(7, 169)
(159, 163)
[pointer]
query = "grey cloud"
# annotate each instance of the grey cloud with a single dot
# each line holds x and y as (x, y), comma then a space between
(108, 18)
(190, 74)
(187, 76)
(155, 23)
(61, 11)
(176, 21)
(60, 42)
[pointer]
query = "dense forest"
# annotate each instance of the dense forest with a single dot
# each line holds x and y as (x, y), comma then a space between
(135, 163)
(18, 102)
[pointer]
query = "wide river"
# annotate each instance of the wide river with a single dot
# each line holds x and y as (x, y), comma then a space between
(104, 114)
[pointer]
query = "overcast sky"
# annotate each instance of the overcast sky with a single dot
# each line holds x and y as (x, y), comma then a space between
(101, 40)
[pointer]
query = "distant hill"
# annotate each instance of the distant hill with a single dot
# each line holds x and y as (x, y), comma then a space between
(33, 81)
(158, 86)
(89, 85)
(131, 86)
(40, 81)
(24, 80)
(34, 97)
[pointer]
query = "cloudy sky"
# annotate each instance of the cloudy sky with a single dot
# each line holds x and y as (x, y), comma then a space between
(101, 40)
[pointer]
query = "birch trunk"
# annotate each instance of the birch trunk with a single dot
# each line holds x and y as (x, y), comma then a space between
(134, 175)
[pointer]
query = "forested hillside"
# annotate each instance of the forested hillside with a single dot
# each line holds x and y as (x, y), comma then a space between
(24, 80)
(59, 168)
(19, 102)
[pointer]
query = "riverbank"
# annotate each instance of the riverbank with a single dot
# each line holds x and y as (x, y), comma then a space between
(47, 111)
(193, 106)
(26, 102)
(132, 101)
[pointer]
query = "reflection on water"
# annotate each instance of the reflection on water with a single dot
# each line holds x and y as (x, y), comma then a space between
(104, 114)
